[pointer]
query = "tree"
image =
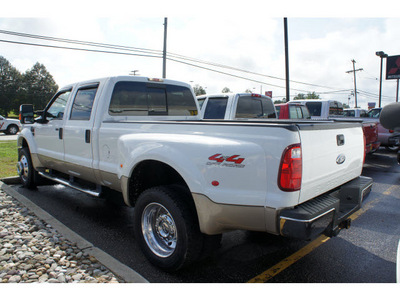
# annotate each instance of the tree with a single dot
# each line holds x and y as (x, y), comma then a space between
(312, 95)
(226, 90)
(39, 86)
(280, 101)
(10, 87)
(248, 91)
(199, 90)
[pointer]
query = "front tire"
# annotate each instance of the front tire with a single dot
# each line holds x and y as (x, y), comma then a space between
(166, 228)
(12, 130)
(25, 168)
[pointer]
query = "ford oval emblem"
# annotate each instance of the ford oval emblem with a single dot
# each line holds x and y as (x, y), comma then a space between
(340, 159)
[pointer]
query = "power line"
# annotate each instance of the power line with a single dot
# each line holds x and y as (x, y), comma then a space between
(143, 55)
(151, 51)
(78, 49)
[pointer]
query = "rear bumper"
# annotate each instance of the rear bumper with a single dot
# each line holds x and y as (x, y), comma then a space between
(327, 213)
(394, 140)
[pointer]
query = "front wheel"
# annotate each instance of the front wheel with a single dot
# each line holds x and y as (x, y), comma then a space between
(12, 129)
(166, 228)
(25, 169)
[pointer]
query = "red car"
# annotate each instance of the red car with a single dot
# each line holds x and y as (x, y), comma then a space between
(292, 111)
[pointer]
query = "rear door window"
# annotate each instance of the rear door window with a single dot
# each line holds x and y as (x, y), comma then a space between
(83, 103)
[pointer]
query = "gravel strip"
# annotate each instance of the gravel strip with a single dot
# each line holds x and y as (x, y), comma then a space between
(32, 251)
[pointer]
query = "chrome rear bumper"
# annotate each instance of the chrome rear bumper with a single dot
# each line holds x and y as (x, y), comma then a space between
(327, 213)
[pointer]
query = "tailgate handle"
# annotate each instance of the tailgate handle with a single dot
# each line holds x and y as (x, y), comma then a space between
(340, 139)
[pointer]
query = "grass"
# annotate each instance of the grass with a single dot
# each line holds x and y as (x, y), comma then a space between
(8, 158)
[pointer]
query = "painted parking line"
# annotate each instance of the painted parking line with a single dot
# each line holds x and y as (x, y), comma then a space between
(320, 240)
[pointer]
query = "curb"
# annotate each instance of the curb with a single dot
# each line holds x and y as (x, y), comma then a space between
(122, 271)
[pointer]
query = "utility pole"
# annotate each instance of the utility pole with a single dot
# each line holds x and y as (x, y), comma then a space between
(355, 84)
(134, 72)
(286, 59)
(165, 49)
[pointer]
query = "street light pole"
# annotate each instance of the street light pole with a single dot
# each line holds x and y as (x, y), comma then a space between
(286, 58)
(381, 54)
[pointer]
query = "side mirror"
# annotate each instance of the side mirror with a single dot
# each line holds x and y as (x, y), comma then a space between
(26, 114)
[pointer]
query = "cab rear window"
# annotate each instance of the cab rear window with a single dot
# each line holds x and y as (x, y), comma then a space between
(141, 99)
(216, 108)
(255, 107)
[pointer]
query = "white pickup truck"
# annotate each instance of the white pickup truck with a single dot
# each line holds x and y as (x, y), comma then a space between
(9, 126)
(232, 106)
(189, 179)
(322, 109)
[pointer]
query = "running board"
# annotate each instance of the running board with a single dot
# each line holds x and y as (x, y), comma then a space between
(74, 185)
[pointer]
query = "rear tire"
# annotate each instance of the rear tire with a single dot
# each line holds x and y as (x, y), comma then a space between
(166, 228)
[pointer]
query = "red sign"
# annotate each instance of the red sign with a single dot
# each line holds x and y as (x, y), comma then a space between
(268, 93)
(393, 67)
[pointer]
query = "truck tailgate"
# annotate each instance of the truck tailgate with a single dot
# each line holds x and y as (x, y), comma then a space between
(333, 154)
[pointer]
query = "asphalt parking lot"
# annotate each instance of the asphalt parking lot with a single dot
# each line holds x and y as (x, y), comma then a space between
(366, 253)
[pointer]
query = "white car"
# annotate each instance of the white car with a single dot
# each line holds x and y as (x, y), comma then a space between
(9, 126)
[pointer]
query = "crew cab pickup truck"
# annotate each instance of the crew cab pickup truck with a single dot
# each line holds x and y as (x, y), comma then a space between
(355, 112)
(231, 106)
(322, 109)
(190, 180)
(9, 126)
(292, 111)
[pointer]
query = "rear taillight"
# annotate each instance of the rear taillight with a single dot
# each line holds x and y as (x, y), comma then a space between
(291, 168)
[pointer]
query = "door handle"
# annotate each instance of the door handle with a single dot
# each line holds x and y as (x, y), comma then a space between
(87, 136)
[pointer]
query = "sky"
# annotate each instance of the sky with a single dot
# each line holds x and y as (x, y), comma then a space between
(244, 36)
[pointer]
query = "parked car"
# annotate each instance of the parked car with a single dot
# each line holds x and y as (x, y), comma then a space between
(372, 143)
(389, 118)
(322, 109)
(355, 112)
(9, 126)
(231, 106)
(332, 109)
(292, 111)
(387, 137)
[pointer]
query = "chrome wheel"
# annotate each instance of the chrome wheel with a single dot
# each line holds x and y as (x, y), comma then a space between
(159, 230)
(23, 168)
(12, 130)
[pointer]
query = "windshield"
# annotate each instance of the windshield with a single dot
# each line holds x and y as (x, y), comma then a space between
(349, 113)
(374, 113)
